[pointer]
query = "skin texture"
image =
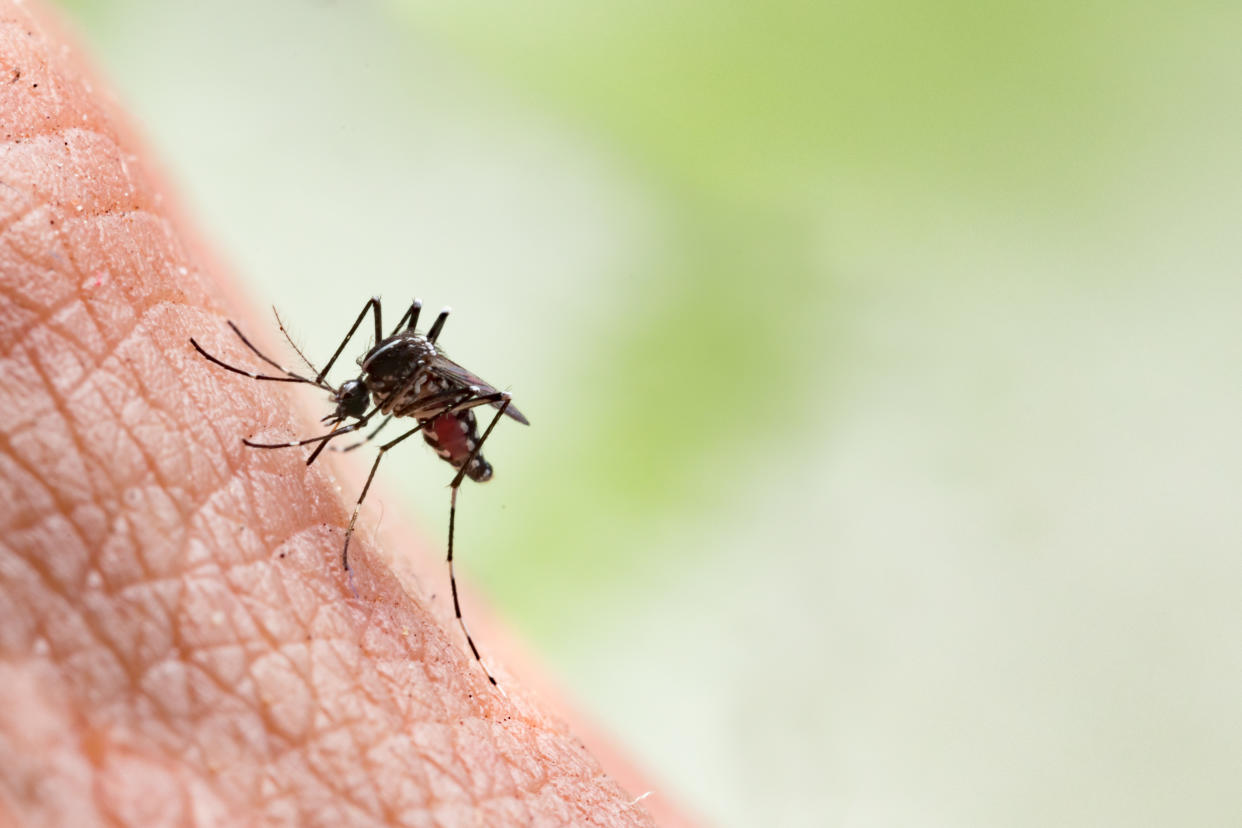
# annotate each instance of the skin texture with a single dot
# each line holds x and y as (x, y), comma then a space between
(178, 642)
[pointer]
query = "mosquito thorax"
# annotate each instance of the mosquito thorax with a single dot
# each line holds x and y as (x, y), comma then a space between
(397, 357)
(351, 399)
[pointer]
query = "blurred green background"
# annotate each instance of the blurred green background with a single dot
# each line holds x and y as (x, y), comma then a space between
(883, 361)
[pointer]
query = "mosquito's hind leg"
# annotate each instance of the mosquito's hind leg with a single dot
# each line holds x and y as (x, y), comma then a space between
(434, 332)
(454, 486)
(410, 317)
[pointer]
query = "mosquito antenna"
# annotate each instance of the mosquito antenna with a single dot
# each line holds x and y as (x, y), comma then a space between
(438, 325)
(280, 323)
(266, 358)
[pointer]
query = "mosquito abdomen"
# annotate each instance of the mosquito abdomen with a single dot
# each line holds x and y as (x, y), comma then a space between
(454, 437)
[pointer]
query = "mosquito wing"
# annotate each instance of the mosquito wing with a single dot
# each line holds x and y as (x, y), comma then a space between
(445, 368)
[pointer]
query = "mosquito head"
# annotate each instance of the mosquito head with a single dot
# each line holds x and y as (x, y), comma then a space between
(351, 400)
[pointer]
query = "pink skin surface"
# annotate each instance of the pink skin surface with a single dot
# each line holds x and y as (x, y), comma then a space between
(178, 642)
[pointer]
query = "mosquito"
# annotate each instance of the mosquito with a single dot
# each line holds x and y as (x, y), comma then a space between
(404, 374)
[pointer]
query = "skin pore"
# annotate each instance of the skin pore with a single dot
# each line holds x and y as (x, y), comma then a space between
(178, 641)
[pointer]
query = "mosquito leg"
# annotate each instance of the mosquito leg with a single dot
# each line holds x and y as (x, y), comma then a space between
(349, 532)
(454, 486)
(322, 437)
(264, 357)
(288, 378)
(366, 439)
(327, 438)
(410, 316)
(373, 304)
(366, 418)
(503, 398)
(438, 325)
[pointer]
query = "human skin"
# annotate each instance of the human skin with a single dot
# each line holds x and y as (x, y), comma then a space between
(178, 640)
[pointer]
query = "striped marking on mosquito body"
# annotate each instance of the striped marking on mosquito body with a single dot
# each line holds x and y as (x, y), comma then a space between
(454, 437)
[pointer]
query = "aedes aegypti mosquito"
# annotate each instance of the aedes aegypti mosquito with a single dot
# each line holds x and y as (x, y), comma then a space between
(404, 374)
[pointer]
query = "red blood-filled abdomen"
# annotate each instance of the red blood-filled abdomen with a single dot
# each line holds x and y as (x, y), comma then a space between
(454, 436)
